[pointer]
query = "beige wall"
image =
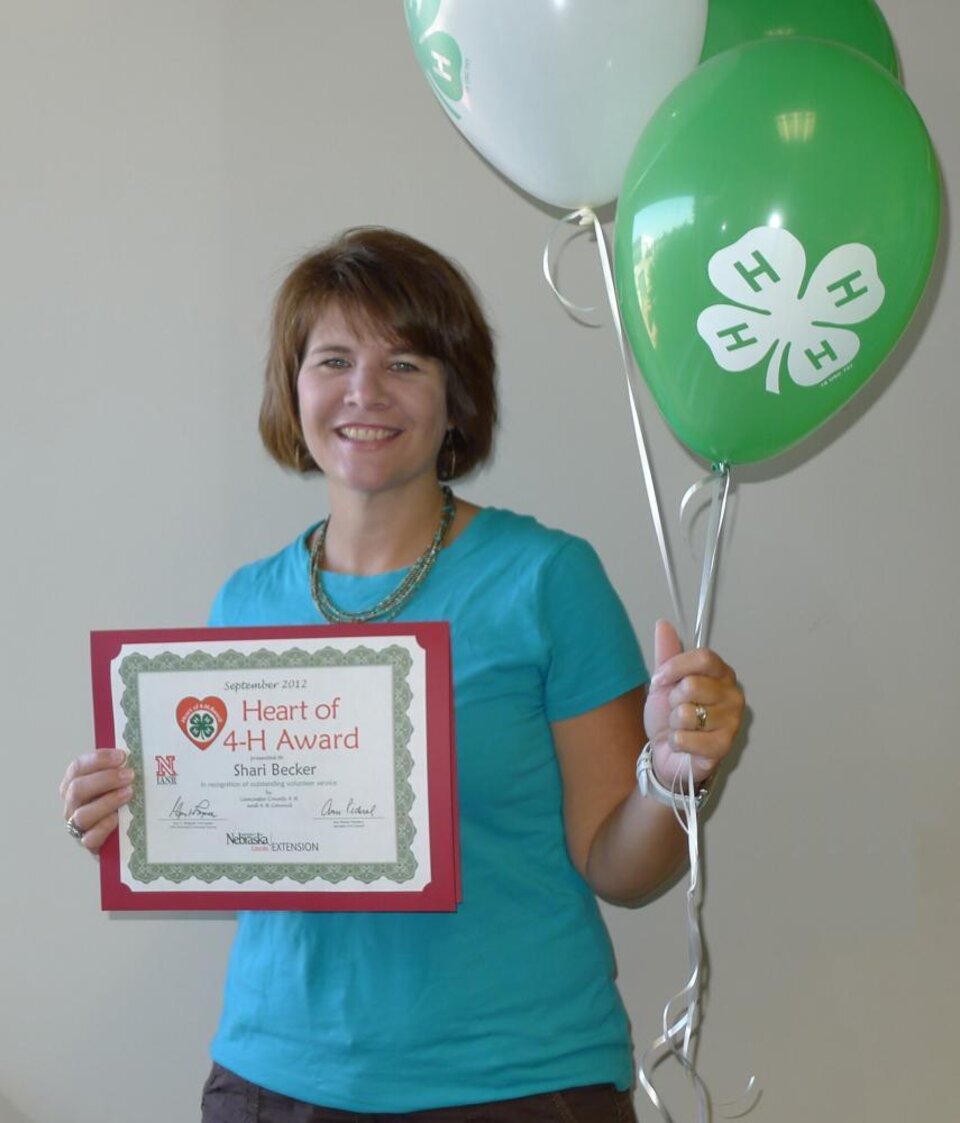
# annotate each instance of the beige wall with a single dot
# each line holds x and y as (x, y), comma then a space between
(162, 163)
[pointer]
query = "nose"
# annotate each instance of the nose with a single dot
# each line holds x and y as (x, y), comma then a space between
(367, 387)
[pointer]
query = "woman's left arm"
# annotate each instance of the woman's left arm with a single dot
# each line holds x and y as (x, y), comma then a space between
(625, 844)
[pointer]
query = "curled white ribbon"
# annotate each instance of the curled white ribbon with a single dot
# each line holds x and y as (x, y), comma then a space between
(676, 1038)
(719, 481)
(577, 311)
(585, 216)
(681, 1015)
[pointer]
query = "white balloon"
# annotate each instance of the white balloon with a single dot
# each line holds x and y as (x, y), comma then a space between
(554, 93)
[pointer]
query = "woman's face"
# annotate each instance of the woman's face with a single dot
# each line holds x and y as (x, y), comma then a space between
(373, 414)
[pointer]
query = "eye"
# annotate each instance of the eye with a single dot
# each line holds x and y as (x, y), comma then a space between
(403, 365)
(332, 362)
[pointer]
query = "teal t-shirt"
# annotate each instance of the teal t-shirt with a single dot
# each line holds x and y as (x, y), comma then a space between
(514, 993)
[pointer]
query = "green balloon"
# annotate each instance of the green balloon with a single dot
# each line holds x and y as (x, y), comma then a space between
(777, 224)
(851, 23)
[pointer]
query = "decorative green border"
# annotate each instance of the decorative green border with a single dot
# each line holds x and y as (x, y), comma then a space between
(398, 658)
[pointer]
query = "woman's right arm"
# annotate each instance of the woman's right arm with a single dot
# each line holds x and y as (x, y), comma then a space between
(93, 788)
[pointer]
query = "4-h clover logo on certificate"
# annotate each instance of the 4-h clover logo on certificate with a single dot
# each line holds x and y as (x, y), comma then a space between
(777, 317)
(201, 719)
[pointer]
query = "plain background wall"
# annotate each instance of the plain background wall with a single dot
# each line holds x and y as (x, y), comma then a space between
(162, 165)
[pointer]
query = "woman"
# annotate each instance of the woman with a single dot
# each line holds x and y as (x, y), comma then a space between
(381, 375)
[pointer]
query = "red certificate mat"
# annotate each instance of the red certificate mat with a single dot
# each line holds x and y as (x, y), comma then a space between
(308, 768)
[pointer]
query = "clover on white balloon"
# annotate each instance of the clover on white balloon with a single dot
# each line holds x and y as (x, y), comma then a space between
(777, 317)
(438, 53)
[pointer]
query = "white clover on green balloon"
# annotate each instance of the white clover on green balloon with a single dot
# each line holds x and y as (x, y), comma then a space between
(777, 224)
(764, 271)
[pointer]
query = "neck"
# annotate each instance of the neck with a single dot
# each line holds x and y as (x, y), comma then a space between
(378, 533)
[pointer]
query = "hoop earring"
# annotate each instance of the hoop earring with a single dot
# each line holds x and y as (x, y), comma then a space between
(447, 460)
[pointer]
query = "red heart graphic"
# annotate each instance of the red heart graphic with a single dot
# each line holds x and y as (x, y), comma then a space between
(201, 719)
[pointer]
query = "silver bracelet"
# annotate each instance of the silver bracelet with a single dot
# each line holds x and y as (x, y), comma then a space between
(650, 785)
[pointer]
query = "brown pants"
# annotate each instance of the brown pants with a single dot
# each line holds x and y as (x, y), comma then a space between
(228, 1098)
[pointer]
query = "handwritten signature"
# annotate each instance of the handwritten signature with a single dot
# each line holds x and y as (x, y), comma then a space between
(353, 809)
(201, 810)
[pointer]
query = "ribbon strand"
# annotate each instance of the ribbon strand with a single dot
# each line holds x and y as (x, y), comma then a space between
(677, 1037)
(681, 1015)
(585, 216)
(719, 480)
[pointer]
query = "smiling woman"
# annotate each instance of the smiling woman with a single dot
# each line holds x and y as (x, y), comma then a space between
(381, 375)
(373, 414)
(412, 299)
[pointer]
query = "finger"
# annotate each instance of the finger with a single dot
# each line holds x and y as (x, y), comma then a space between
(94, 838)
(89, 817)
(715, 719)
(709, 746)
(697, 717)
(86, 790)
(666, 643)
(89, 763)
(701, 689)
(701, 661)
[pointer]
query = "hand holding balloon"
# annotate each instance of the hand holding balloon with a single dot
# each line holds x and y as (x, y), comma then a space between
(693, 710)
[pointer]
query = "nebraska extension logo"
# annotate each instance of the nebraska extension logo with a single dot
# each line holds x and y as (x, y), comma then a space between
(201, 719)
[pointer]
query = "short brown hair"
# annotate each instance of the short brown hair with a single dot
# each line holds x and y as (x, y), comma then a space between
(409, 294)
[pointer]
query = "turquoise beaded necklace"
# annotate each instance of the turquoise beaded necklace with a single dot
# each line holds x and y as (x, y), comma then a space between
(391, 604)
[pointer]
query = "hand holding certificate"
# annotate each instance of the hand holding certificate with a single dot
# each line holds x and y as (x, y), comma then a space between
(287, 768)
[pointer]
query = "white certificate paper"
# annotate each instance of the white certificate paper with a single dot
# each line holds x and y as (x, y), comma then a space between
(281, 768)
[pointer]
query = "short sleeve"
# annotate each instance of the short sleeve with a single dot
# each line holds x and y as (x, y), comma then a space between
(215, 618)
(593, 656)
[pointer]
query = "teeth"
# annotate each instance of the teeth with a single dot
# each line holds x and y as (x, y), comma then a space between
(365, 433)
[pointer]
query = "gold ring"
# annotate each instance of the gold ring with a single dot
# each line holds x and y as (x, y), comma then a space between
(701, 712)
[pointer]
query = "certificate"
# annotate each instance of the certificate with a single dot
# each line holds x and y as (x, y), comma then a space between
(281, 768)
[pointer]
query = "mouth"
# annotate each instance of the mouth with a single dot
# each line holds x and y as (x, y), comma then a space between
(366, 433)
